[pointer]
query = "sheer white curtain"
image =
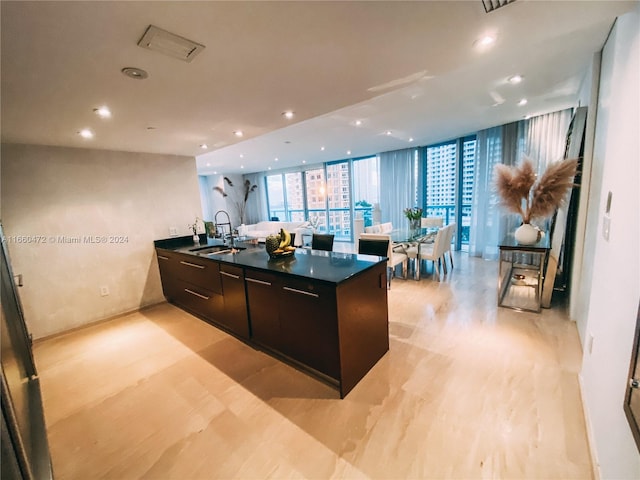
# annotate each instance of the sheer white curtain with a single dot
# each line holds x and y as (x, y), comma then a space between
(398, 188)
(542, 139)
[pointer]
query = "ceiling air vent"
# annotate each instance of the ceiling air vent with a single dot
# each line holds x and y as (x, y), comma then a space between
(170, 44)
(491, 5)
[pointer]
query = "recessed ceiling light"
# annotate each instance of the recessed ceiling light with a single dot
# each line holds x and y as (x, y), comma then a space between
(86, 133)
(288, 114)
(238, 133)
(348, 152)
(276, 159)
(522, 102)
(388, 132)
(411, 139)
(102, 112)
(215, 172)
(241, 166)
(241, 155)
(135, 73)
(485, 41)
(208, 164)
(322, 149)
(358, 123)
(515, 79)
(268, 168)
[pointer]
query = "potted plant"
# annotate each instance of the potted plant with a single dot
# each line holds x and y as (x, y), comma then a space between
(413, 215)
(522, 194)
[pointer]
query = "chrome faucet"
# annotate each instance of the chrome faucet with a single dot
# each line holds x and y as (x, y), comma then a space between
(228, 223)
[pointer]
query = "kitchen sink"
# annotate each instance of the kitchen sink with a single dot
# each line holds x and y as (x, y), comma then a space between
(216, 250)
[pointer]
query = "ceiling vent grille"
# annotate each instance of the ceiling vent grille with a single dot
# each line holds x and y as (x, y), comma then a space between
(170, 44)
(491, 5)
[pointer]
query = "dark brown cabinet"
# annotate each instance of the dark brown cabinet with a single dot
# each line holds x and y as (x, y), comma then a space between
(325, 314)
(192, 283)
(308, 325)
(234, 316)
(296, 318)
(263, 302)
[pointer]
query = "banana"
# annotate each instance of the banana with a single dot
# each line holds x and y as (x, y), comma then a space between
(285, 239)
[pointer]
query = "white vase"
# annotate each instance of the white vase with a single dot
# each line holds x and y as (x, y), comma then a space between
(527, 234)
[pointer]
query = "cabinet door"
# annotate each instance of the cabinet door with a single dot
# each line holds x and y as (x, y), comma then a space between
(263, 290)
(235, 301)
(199, 271)
(309, 325)
(167, 264)
(198, 300)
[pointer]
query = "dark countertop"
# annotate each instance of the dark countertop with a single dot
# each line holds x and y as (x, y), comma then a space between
(331, 267)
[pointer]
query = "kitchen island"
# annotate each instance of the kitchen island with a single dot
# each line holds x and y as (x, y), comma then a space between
(323, 312)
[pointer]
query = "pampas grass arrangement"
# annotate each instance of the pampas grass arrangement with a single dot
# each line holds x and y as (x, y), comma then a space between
(521, 194)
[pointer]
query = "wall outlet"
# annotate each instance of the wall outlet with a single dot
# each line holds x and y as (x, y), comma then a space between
(173, 231)
(104, 291)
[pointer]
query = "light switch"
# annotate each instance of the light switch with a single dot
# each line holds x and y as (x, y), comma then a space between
(173, 231)
(606, 226)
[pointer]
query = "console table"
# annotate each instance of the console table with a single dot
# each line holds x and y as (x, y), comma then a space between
(521, 274)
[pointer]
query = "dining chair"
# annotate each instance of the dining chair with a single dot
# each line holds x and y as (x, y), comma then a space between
(431, 222)
(322, 241)
(395, 254)
(433, 252)
(368, 246)
(451, 230)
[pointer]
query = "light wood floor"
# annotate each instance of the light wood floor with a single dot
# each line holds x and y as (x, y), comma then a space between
(467, 390)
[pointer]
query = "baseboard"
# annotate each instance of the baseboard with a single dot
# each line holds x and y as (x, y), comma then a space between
(96, 322)
(595, 464)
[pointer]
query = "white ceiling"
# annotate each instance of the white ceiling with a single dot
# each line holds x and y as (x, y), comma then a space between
(405, 67)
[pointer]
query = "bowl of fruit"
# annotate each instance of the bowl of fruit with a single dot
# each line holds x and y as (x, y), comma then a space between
(279, 246)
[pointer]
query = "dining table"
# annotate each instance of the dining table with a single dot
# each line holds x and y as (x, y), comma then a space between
(410, 240)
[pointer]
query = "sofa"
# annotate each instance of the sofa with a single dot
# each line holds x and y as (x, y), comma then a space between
(261, 230)
(380, 228)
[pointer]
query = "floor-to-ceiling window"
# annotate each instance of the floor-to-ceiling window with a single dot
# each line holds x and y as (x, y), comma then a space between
(294, 193)
(329, 196)
(275, 192)
(366, 194)
(339, 199)
(316, 189)
(449, 184)
(466, 196)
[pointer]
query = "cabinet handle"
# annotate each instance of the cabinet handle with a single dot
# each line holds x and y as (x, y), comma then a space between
(196, 294)
(163, 258)
(261, 282)
(192, 264)
(230, 275)
(303, 292)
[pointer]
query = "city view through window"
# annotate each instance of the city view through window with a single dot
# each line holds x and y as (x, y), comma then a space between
(331, 196)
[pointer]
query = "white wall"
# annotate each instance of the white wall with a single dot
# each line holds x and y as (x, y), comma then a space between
(591, 185)
(615, 278)
(213, 201)
(52, 192)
